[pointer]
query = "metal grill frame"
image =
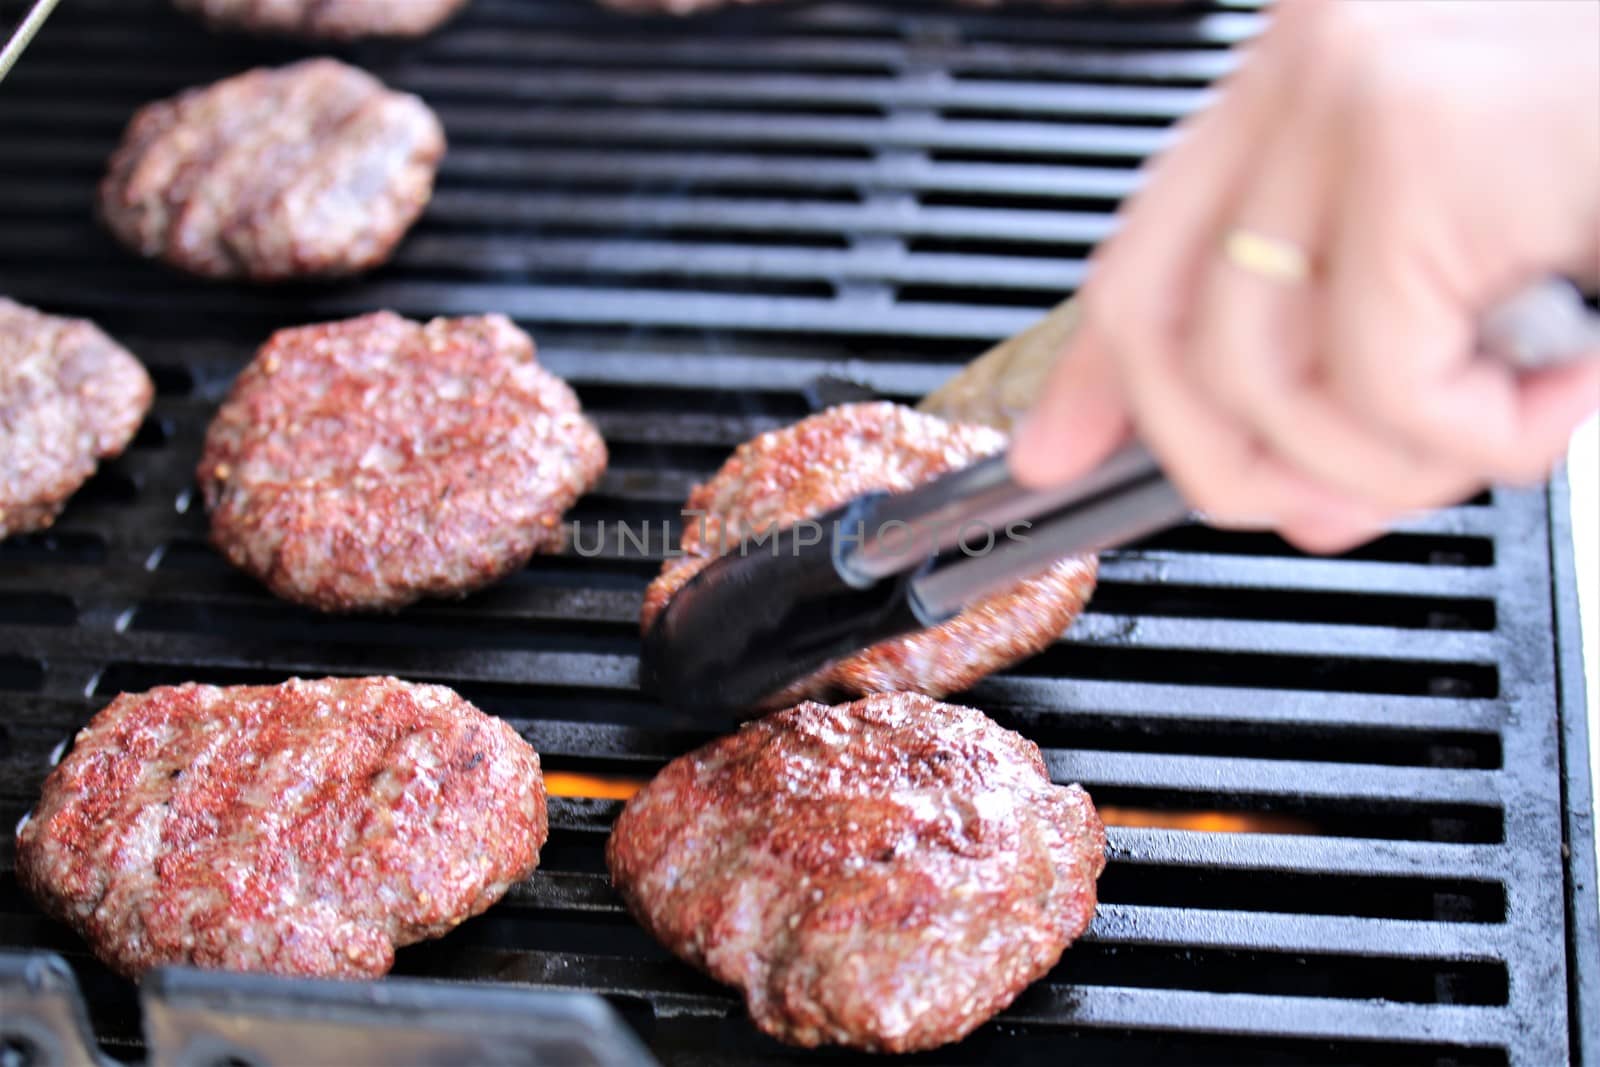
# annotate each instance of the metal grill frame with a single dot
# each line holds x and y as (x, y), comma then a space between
(851, 189)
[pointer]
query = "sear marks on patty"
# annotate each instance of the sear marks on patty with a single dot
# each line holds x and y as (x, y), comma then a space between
(362, 464)
(820, 463)
(308, 828)
(334, 20)
(69, 397)
(886, 874)
(313, 169)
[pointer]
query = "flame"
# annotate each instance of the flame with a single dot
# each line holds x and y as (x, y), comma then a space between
(621, 787)
(1208, 822)
(594, 786)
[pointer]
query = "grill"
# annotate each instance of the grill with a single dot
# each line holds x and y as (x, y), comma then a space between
(699, 220)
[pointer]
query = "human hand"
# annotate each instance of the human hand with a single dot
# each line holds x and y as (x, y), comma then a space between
(1429, 159)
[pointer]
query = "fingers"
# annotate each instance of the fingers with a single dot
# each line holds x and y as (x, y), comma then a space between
(1324, 407)
(1142, 285)
(1154, 295)
(1218, 465)
(1476, 413)
(1552, 405)
(1085, 413)
(1079, 420)
(1174, 213)
(1401, 318)
(1329, 536)
(1254, 348)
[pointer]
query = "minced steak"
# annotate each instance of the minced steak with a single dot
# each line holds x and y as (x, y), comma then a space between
(307, 828)
(69, 397)
(804, 470)
(313, 169)
(885, 874)
(337, 20)
(362, 464)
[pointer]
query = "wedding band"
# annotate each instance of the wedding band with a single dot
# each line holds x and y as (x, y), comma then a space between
(1266, 257)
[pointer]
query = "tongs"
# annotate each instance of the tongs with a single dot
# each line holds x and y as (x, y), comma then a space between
(770, 612)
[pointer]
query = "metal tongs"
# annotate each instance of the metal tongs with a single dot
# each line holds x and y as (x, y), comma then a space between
(771, 611)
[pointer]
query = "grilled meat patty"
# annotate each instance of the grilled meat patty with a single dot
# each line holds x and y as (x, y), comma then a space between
(337, 20)
(69, 397)
(313, 169)
(885, 874)
(307, 828)
(805, 470)
(366, 463)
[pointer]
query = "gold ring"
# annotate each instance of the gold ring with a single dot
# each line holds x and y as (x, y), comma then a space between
(1266, 257)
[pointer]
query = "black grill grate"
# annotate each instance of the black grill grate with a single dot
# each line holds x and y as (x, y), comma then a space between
(698, 219)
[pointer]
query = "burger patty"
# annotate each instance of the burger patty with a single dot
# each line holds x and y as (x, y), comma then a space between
(822, 462)
(307, 828)
(885, 874)
(366, 463)
(69, 397)
(313, 169)
(337, 20)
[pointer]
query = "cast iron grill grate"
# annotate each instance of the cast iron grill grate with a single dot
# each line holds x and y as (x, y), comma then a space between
(698, 219)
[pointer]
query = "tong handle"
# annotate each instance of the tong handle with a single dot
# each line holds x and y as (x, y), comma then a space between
(1544, 325)
(999, 387)
(1127, 511)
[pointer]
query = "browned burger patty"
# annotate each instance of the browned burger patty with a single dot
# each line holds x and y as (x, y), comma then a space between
(885, 874)
(306, 828)
(314, 169)
(338, 20)
(804, 470)
(366, 463)
(69, 397)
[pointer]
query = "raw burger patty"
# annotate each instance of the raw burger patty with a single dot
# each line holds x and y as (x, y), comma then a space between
(306, 828)
(69, 397)
(362, 464)
(277, 173)
(818, 464)
(885, 874)
(339, 20)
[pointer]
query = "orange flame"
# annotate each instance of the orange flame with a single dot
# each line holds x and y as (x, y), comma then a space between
(621, 787)
(1210, 822)
(594, 786)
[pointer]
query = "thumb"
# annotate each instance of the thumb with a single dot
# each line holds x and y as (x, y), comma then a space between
(1081, 418)
(1552, 404)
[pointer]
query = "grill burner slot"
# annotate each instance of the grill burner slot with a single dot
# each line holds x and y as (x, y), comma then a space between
(108, 486)
(1021, 1046)
(1325, 673)
(1354, 818)
(54, 546)
(1446, 550)
(19, 672)
(40, 609)
(1351, 744)
(1436, 900)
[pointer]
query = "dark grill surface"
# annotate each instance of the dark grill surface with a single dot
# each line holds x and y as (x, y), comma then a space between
(698, 219)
